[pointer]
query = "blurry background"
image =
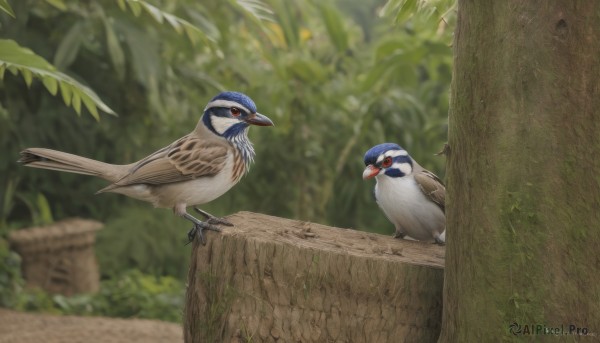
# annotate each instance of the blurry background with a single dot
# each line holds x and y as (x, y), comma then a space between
(336, 77)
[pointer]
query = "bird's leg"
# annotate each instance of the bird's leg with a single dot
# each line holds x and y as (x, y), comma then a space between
(439, 241)
(212, 219)
(399, 234)
(198, 227)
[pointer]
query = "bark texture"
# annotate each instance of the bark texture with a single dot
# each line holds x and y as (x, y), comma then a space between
(523, 195)
(269, 279)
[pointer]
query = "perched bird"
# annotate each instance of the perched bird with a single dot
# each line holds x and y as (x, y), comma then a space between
(411, 197)
(193, 170)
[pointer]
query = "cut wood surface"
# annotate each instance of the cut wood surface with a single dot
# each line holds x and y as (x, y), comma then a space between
(269, 279)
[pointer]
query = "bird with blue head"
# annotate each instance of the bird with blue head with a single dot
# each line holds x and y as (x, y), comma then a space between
(411, 197)
(195, 169)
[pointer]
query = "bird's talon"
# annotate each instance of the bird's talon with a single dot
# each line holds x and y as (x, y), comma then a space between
(191, 235)
(197, 231)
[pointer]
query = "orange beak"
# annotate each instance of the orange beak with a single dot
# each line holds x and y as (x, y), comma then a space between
(370, 172)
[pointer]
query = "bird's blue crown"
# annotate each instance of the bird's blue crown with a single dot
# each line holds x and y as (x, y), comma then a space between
(238, 97)
(399, 157)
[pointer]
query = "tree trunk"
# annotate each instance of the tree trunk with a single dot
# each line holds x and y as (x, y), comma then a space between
(523, 204)
(269, 279)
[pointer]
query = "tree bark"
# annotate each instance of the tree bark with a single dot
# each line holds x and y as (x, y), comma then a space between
(523, 207)
(269, 279)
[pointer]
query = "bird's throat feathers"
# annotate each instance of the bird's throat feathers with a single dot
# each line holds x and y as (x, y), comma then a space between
(234, 131)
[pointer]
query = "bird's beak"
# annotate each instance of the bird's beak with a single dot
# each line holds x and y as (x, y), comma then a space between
(370, 172)
(259, 119)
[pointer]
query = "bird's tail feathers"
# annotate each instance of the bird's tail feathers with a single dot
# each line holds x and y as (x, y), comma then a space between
(62, 161)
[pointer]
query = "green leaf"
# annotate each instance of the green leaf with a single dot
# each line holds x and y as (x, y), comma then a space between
(66, 93)
(28, 76)
(18, 59)
(256, 8)
(307, 70)
(335, 26)
(6, 8)
(117, 56)
(430, 11)
(179, 25)
(155, 13)
(51, 85)
(89, 104)
(69, 46)
(174, 22)
(406, 10)
(135, 7)
(60, 4)
(144, 51)
(76, 102)
(45, 213)
(122, 5)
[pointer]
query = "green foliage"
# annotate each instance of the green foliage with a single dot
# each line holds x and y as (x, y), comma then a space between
(335, 77)
(427, 10)
(157, 248)
(5, 6)
(131, 294)
(179, 25)
(17, 59)
(11, 282)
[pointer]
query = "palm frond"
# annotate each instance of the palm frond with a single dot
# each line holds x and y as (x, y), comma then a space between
(5, 6)
(257, 8)
(18, 59)
(181, 26)
(403, 10)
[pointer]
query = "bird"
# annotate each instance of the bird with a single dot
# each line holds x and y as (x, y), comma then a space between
(411, 197)
(193, 170)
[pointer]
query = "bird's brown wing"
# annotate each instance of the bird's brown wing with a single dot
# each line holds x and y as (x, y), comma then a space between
(432, 187)
(186, 159)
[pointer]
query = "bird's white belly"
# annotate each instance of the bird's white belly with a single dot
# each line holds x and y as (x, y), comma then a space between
(193, 192)
(405, 205)
(198, 191)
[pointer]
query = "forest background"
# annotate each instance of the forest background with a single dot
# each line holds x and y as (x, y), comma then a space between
(336, 77)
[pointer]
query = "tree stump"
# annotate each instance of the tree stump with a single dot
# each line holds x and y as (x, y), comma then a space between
(269, 279)
(59, 258)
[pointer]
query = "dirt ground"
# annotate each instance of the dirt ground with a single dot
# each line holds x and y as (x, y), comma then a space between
(21, 327)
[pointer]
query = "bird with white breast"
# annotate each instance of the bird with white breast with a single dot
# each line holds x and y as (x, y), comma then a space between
(193, 170)
(411, 197)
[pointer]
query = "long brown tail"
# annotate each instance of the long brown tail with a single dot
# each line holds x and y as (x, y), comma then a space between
(62, 161)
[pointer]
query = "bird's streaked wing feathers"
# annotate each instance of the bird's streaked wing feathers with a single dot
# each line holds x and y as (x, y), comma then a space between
(432, 187)
(186, 159)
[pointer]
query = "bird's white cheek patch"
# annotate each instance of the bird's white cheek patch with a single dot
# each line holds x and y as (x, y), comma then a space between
(405, 168)
(221, 124)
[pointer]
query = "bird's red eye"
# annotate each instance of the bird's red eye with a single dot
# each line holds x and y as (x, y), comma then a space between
(387, 162)
(235, 111)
